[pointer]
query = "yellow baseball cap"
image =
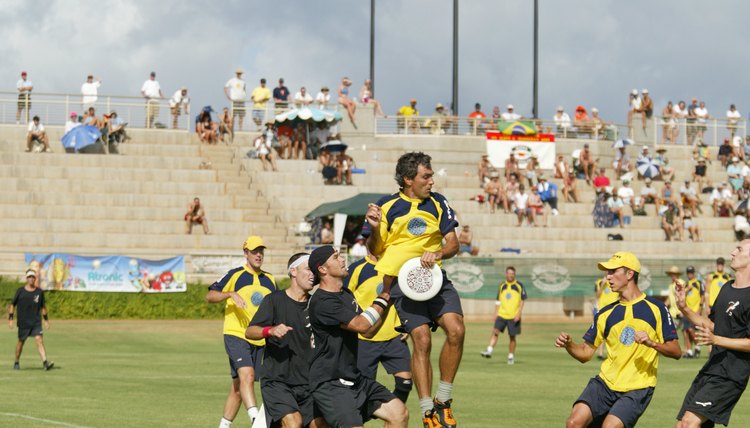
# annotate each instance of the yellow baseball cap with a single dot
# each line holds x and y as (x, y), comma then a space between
(622, 259)
(252, 242)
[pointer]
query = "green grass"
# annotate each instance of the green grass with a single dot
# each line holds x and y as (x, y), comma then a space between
(175, 373)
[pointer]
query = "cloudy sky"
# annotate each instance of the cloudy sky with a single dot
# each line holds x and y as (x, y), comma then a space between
(592, 52)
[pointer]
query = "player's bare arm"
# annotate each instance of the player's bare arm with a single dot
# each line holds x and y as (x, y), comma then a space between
(373, 216)
(255, 332)
(214, 296)
(669, 349)
(362, 324)
(695, 318)
(11, 313)
(582, 352)
(450, 249)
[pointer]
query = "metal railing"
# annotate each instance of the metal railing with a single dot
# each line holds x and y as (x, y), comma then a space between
(680, 131)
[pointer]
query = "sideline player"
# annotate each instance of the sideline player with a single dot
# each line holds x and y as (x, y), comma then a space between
(716, 280)
(283, 321)
(343, 395)
(636, 329)
(386, 346)
(243, 289)
(694, 297)
(722, 380)
(510, 296)
(604, 296)
(28, 302)
(413, 223)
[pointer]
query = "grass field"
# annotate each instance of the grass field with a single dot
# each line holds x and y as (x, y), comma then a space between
(175, 373)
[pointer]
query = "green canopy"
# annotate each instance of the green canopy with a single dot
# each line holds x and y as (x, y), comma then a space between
(356, 205)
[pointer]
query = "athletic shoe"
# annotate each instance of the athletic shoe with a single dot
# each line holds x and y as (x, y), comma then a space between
(697, 353)
(49, 365)
(16, 366)
(486, 354)
(430, 420)
(444, 414)
(511, 361)
(687, 356)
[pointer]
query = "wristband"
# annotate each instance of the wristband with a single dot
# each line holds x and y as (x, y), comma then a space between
(267, 331)
(380, 302)
(46, 317)
(10, 316)
(371, 315)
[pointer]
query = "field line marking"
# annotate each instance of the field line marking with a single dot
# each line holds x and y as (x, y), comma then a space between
(49, 421)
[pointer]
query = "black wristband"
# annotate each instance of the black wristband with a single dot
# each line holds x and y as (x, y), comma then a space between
(10, 316)
(46, 317)
(380, 302)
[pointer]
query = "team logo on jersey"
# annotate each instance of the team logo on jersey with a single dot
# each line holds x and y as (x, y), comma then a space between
(627, 337)
(256, 298)
(466, 277)
(731, 307)
(551, 278)
(417, 226)
(36, 299)
(508, 296)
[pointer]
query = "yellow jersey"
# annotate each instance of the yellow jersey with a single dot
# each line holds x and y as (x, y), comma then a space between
(606, 296)
(694, 295)
(510, 295)
(410, 227)
(718, 279)
(408, 111)
(630, 365)
(260, 97)
(252, 287)
(366, 284)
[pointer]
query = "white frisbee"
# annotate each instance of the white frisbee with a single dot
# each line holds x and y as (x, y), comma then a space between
(418, 283)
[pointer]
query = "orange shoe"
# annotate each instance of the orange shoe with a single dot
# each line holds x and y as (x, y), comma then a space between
(430, 420)
(443, 413)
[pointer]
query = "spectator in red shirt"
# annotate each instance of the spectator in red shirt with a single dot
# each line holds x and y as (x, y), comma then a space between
(476, 119)
(601, 180)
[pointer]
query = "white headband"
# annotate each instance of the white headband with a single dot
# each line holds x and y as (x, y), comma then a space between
(299, 261)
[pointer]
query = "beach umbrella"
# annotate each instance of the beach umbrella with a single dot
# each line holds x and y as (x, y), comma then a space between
(334, 146)
(742, 205)
(308, 115)
(80, 137)
(623, 142)
(648, 168)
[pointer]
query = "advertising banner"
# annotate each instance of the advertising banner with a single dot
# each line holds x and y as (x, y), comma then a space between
(60, 271)
(500, 146)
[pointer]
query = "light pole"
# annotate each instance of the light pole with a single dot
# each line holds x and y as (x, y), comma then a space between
(454, 103)
(372, 48)
(535, 110)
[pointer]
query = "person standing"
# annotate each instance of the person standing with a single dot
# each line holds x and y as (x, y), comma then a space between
(260, 96)
(345, 397)
(24, 87)
(280, 96)
(282, 319)
(90, 91)
(236, 91)
(413, 223)
(636, 330)
(151, 91)
(510, 296)
(28, 304)
(716, 281)
(178, 104)
(243, 289)
(694, 296)
(721, 381)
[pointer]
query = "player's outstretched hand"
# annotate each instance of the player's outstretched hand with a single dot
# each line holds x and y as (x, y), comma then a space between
(239, 301)
(642, 338)
(679, 292)
(373, 215)
(704, 335)
(280, 330)
(563, 340)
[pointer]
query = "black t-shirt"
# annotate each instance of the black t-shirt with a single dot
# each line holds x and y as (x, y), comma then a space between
(29, 306)
(725, 149)
(287, 359)
(731, 316)
(334, 348)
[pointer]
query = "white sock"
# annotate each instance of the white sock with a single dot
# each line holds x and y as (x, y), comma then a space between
(425, 404)
(690, 352)
(444, 392)
(252, 413)
(225, 423)
(489, 349)
(510, 355)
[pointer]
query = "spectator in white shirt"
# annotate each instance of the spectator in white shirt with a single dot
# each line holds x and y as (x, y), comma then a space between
(72, 122)
(721, 197)
(689, 198)
(649, 196)
(733, 118)
(90, 91)
(236, 91)
(359, 249)
(627, 194)
(151, 90)
(37, 133)
(562, 120)
(521, 200)
(702, 116)
(302, 98)
(180, 102)
(510, 115)
(323, 97)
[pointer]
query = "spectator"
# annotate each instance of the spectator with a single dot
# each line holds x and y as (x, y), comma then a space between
(668, 125)
(601, 180)
(495, 192)
(327, 166)
(667, 193)
(691, 127)
(299, 142)
(644, 156)
(737, 149)
(536, 206)
(285, 134)
(272, 137)
(570, 189)
(260, 96)
(586, 163)
(265, 154)
(532, 169)
(665, 171)
(699, 174)
(511, 166)
(521, 201)
(484, 169)
(90, 118)
(649, 196)
(205, 127)
(616, 207)
(326, 234)
(116, 133)
(597, 124)
(741, 225)
(195, 214)
(323, 98)
(24, 87)
(236, 92)
(89, 91)
(511, 188)
(671, 222)
(622, 164)
(725, 152)
(346, 101)
(690, 200)
(694, 233)
(37, 133)
(701, 151)
(226, 125)
(702, 116)
(635, 104)
(562, 121)
(366, 97)
(280, 96)
(581, 121)
(626, 194)
(680, 114)
(733, 118)
(722, 200)
(647, 108)
(561, 167)
(318, 137)
(495, 116)
(151, 91)
(72, 122)
(359, 249)
(510, 115)
(344, 165)
(441, 120)
(548, 193)
(464, 242)
(302, 98)
(477, 119)
(734, 174)
(601, 214)
(408, 120)
(179, 104)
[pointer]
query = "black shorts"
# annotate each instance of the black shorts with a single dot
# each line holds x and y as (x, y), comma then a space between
(394, 354)
(280, 399)
(712, 397)
(25, 332)
(414, 314)
(350, 404)
(242, 354)
(514, 327)
(627, 406)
